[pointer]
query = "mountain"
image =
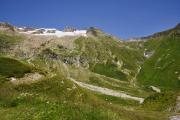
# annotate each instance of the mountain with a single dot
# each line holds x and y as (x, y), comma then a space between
(162, 68)
(46, 73)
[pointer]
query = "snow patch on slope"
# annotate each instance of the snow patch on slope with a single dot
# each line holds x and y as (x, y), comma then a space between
(52, 32)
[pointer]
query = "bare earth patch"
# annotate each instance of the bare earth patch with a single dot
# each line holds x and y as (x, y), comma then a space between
(28, 78)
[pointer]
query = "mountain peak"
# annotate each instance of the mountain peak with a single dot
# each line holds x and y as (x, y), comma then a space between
(69, 29)
(177, 26)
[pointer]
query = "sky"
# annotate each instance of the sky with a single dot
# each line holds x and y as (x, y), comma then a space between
(122, 18)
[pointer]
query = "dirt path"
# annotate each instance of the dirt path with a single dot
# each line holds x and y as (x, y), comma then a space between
(107, 91)
(176, 117)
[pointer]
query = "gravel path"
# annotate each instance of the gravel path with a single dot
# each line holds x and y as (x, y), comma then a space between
(176, 117)
(107, 91)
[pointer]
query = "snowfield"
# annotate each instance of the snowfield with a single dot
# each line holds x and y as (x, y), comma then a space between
(53, 32)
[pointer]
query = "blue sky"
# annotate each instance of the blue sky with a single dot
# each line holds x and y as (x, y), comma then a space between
(122, 18)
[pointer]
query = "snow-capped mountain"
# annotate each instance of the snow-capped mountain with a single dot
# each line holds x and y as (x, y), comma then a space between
(51, 32)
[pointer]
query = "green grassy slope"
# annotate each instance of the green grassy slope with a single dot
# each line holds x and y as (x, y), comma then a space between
(163, 68)
(160, 101)
(12, 68)
(109, 70)
(109, 57)
(57, 98)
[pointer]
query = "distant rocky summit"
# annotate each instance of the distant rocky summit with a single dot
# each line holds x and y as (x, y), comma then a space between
(69, 29)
